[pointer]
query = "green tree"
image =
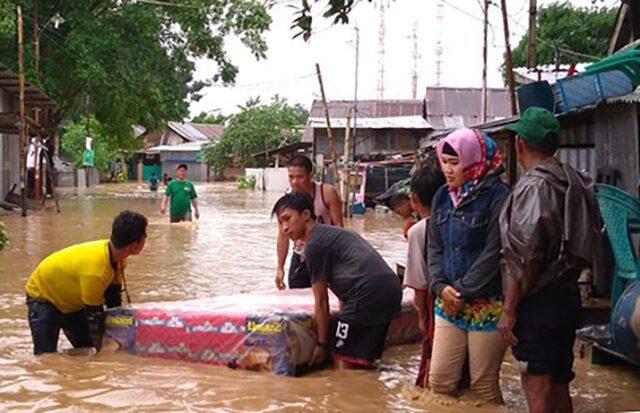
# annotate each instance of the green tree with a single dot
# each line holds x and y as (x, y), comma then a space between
(135, 59)
(578, 29)
(254, 127)
(107, 149)
(204, 117)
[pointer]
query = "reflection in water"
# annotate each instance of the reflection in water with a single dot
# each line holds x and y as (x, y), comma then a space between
(231, 250)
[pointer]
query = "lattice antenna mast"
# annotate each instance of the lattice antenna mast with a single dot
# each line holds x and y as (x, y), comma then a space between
(439, 49)
(416, 58)
(381, 40)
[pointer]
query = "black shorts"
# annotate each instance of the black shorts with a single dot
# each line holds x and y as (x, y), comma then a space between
(299, 276)
(180, 218)
(546, 330)
(358, 344)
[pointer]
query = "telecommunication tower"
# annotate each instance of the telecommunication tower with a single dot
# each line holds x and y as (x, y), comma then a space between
(439, 50)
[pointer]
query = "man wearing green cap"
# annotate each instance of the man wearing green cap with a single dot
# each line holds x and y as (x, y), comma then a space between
(548, 225)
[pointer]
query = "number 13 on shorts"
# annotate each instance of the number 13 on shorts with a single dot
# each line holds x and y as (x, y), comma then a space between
(342, 331)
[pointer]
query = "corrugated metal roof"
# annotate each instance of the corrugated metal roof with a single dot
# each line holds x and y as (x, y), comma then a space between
(400, 122)
(458, 107)
(633, 97)
(187, 131)
(33, 96)
(369, 108)
(212, 132)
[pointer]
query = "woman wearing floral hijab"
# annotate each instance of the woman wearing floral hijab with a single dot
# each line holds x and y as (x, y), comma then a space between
(464, 270)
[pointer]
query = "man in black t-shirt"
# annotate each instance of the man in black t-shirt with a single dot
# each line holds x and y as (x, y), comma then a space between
(344, 262)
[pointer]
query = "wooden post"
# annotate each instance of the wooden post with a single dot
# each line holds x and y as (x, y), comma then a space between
(513, 166)
(484, 62)
(23, 123)
(533, 37)
(332, 144)
(347, 172)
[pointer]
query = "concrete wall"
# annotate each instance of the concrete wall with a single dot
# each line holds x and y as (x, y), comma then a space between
(276, 179)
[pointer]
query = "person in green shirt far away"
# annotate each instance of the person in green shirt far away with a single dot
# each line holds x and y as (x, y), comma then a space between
(182, 195)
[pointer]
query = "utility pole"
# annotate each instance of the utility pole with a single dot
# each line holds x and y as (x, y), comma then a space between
(36, 111)
(36, 40)
(332, 144)
(508, 59)
(22, 123)
(484, 62)
(355, 97)
(533, 37)
(513, 167)
(416, 57)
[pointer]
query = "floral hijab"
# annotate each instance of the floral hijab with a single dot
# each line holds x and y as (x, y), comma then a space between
(479, 156)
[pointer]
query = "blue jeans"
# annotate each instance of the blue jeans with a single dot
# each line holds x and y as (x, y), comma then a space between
(45, 322)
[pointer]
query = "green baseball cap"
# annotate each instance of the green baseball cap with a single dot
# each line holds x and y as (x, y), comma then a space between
(536, 125)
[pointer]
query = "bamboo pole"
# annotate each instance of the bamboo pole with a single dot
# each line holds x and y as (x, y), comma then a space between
(22, 127)
(332, 144)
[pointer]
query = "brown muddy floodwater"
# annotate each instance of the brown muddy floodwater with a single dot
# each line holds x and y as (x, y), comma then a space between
(231, 250)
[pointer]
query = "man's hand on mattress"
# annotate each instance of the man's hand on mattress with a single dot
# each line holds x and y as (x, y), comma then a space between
(318, 356)
(280, 279)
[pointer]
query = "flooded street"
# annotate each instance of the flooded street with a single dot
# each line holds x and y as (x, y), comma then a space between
(230, 250)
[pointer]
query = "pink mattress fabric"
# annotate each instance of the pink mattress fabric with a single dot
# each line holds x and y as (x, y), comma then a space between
(268, 331)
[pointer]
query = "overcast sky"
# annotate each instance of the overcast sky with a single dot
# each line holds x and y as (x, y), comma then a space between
(289, 69)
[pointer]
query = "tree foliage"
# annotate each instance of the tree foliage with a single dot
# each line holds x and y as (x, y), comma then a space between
(204, 117)
(254, 127)
(135, 59)
(337, 10)
(578, 29)
(107, 149)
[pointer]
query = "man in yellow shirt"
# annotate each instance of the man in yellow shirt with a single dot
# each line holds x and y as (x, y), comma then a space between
(69, 289)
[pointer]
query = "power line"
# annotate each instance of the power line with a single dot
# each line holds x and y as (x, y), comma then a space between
(250, 86)
(548, 43)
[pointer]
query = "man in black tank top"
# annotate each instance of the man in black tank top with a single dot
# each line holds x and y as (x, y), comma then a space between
(300, 170)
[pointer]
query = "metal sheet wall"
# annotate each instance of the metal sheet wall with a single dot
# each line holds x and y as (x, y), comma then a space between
(582, 159)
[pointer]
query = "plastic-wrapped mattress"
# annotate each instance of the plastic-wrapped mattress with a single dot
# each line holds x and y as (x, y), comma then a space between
(267, 331)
